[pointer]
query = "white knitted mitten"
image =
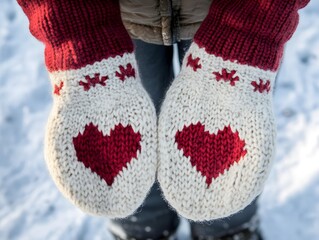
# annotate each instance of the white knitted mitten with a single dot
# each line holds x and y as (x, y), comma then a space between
(216, 126)
(216, 136)
(101, 138)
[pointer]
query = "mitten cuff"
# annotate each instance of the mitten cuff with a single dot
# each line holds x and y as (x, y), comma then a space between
(249, 32)
(77, 33)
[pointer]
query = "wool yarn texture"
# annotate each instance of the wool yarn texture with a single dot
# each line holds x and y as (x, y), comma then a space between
(100, 141)
(216, 126)
(216, 136)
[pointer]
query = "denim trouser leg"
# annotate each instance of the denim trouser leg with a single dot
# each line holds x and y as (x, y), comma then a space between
(155, 219)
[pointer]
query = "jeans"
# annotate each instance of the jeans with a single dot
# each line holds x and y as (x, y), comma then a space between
(155, 219)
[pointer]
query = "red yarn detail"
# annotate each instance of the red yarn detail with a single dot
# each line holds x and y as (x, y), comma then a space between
(227, 76)
(249, 32)
(107, 155)
(92, 81)
(193, 62)
(57, 88)
(127, 72)
(77, 33)
(261, 87)
(211, 154)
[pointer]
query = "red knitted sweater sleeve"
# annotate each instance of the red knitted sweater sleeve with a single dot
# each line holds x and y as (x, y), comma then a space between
(77, 33)
(250, 32)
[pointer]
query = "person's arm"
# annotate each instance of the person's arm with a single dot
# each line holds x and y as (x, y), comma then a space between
(217, 129)
(100, 142)
(252, 32)
(77, 33)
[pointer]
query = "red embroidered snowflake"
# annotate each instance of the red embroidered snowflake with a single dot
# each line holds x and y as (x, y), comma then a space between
(261, 86)
(93, 81)
(127, 72)
(193, 62)
(57, 88)
(227, 76)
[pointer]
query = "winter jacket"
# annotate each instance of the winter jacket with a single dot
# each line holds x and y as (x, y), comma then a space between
(163, 21)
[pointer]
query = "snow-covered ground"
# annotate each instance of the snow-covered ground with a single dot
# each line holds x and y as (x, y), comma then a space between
(32, 208)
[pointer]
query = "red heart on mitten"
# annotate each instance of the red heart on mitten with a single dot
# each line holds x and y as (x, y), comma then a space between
(107, 155)
(211, 154)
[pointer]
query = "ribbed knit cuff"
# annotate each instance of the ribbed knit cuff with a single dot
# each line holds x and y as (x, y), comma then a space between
(251, 32)
(77, 33)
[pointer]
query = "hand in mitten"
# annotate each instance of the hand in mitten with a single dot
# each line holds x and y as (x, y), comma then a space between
(100, 144)
(216, 126)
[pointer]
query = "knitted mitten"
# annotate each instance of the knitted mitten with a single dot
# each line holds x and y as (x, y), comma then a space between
(100, 144)
(216, 127)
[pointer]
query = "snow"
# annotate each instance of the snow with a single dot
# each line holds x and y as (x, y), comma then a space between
(32, 208)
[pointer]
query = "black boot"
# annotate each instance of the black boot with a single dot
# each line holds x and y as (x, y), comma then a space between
(153, 220)
(243, 225)
(248, 231)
